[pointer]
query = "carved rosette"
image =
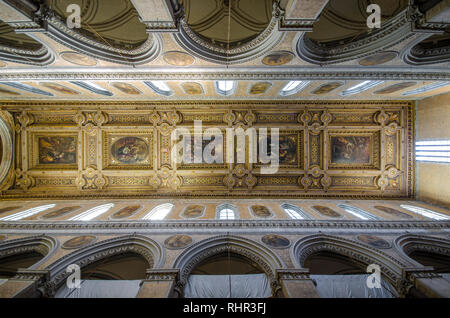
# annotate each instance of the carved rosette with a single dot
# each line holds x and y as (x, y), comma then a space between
(24, 180)
(240, 177)
(91, 179)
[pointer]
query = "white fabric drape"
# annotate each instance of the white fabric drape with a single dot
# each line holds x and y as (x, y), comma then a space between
(351, 286)
(101, 289)
(2, 281)
(218, 286)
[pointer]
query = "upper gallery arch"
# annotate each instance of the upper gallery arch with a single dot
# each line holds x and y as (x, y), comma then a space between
(109, 30)
(21, 48)
(229, 31)
(342, 33)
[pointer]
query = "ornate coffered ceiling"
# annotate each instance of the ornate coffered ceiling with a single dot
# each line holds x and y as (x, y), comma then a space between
(332, 149)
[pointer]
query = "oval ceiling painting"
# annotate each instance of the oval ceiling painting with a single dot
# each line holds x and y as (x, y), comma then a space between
(130, 150)
(326, 88)
(126, 88)
(259, 88)
(394, 88)
(374, 241)
(60, 212)
(10, 208)
(79, 241)
(261, 211)
(5, 91)
(393, 212)
(59, 88)
(276, 241)
(178, 58)
(378, 58)
(193, 211)
(177, 241)
(278, 58)
(192, 88)
(125, 212)
(326, 211)
(2, 237)
(78, 59)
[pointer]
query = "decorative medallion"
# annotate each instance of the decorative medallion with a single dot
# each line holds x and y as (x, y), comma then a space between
(178, 58)
(59, 88)
(130, 150)
(260, 211)
(193, 211)
(177, 241)
(10, 208)
(278, 58)
(78, 59)
(125, 212)
(378, 58)
(326, 211)
(275, 241)
(78, 242)
(393, 212)
(60, 212)
(2, 64)
(374, 241)
(259, 88)
(326, 88)
(192, 88)
(126, 88)
(394, 88)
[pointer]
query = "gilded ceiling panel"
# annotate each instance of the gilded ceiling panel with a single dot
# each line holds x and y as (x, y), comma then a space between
(325, 149)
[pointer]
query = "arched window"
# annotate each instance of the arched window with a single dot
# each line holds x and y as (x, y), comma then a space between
(226, 212)
(359, 213)
(225, 88)
(159, 87)
(295, 212)
(293, 87)
(159, 212)
(92, 213)
(361, 87)
(425, 212)
(27, 213)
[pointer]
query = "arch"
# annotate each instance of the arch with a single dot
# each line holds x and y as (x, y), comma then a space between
(358, 40)
(360, 253)
(267, 260)
(409, 243)
(297, 210)
(149, 249)
(23, 48)
(44, 245)
(226, 206)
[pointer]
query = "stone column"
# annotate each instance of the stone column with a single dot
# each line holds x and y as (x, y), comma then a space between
(25, 284)
(425, 282)
(296, 283)
(160, 283)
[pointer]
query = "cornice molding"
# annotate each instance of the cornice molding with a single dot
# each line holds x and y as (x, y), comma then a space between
(216, 224)
(276, 73)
